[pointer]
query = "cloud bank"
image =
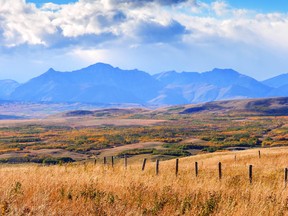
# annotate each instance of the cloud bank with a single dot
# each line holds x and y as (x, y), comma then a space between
(216, 32)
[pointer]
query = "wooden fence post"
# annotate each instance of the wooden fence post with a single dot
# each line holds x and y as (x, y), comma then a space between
(259, 154)
(285, 176)
(157, 167)
(104, 161)
(177, 167)
(220, 170)
(125, 162)
(95, 161)
(112, 161)
(235, 158)
(144, 164)
(196, 169)
(250, 173)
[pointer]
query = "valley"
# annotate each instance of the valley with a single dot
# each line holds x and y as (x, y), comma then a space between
(162, 133)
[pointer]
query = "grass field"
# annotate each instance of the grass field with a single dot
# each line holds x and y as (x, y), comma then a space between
(89, 189)
(28, 186)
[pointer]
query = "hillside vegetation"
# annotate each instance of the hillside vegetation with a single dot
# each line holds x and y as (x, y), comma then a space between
(162, 133)
(89, 189)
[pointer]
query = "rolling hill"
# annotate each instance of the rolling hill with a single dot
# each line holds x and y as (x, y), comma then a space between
(248, 107)
(266, 106)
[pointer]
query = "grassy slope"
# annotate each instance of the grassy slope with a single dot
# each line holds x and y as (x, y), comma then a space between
(80, 189)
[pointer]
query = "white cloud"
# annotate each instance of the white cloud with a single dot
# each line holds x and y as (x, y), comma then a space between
(93, 29)
(22, 23)
(220, 8)
(51, 25)
(51, 7)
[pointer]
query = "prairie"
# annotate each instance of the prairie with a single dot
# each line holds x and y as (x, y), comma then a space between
(162, 133)
(98, 189)
(75, 185)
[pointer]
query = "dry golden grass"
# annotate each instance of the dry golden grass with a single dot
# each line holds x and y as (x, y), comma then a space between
(119, 149)
(88, 189)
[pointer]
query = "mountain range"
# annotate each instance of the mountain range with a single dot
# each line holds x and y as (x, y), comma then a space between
(104, 84)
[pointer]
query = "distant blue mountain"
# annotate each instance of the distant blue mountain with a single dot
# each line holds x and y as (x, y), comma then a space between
(277, 81)
(279, 85)
(7, 87)
(99, 83)
(102, 83)
(217, 84)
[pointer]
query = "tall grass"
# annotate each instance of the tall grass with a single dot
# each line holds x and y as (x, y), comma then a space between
(88, 189)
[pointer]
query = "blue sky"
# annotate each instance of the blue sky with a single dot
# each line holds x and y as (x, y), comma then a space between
(151, 35)
(260, 5)
(40, 2)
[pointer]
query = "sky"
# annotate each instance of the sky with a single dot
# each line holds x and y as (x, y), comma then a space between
(150, 35)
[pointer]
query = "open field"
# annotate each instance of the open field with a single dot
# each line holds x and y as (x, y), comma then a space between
(162, 133)
(88, 189)
(78, 186)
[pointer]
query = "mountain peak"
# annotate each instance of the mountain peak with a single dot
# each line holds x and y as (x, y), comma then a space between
(103, 83)
(51, 70)
(101, 65)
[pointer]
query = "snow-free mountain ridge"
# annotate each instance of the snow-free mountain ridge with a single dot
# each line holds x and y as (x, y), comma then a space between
(7, 87)
(101, 83)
